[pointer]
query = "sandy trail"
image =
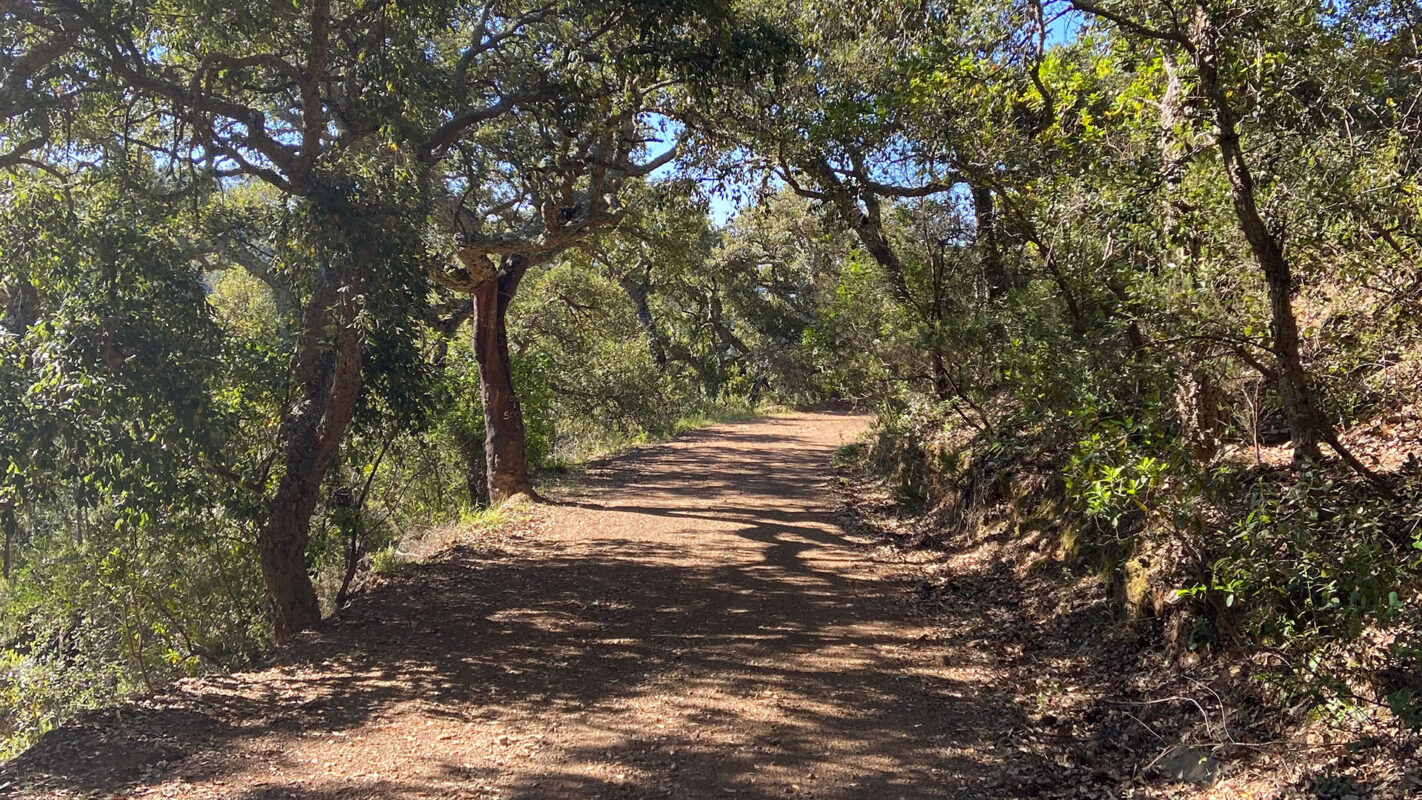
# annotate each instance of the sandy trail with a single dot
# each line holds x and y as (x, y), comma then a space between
(690, 623)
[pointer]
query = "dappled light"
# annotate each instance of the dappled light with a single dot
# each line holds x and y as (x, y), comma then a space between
(675, 631)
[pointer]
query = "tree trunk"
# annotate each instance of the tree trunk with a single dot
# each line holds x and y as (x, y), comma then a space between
(21, 308)
(1021, 226)
(942, 385)
(476, 465)
(718, 323)
(1049, 260)
(1171, 146)
(345, 513)
(504, 439)
(328, 379)
(637, 292)
(281, 545)
(1307, 424)
(867, 225)
(994, 271)
(8, 523)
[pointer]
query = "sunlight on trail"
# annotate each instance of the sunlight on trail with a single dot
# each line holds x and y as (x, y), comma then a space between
(690, 623)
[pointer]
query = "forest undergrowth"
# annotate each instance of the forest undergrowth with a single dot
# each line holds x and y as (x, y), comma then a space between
(1236, 657)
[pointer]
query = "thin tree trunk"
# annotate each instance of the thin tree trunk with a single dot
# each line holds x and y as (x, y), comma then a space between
(20, 311)
(637, 292)
(679, 352)
(1172, 151)
(1307, 424)
(718, 323)
(504, 441)
(867, 225)
(21, 308)
(994, 271)
(1049, 259)
(1024, 228)
(476, 465)
(8, 523)
(345, 513)
(1303, 403)
(942, 384)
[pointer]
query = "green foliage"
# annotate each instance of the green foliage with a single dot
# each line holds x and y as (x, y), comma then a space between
(1127, 359)
(1313, 563)
(1119, 469)
(1319, 572)
(130, 567)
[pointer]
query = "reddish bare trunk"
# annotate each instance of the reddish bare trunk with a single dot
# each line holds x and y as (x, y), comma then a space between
(504, 440)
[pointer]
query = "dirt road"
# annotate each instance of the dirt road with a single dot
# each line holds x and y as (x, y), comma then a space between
(690, 623)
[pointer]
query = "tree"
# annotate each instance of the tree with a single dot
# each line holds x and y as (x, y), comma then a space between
(838, 130)
(298, 102)
(117, 433)
(318, 101)
(556, 174)
(1219, 77)
(541, 212)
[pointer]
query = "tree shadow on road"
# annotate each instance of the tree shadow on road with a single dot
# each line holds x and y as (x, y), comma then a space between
(568, 630)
